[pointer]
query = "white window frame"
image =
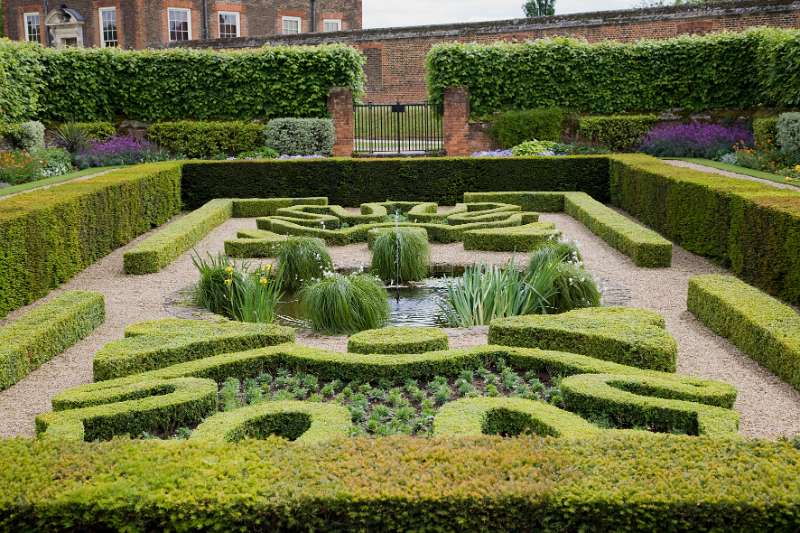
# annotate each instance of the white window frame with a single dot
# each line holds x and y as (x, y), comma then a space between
(299, 22)
(338, 23)
(238, 18)
(188, 12)
(103, 42)
(27, 28)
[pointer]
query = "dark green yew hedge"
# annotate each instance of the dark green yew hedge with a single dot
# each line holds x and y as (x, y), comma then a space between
(613, 482)
(351, 182)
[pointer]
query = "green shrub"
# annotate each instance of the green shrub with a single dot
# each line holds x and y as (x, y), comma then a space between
(339, 304)
(547, 202)
(304, 422)
(515, 127)
(161, 343)
(735, 222)
(198, 139)
(75, 137)
(398, 340)
(27, 136)
(511, 239)
(41, 334)
(259, 153)
(302, 259)
(697, 73)
(765, 132)
(534, 148)
(633, 337)
(22, 79)
(76, 224)
(255, 243)
(472, 417)
(788, 137)
(401, 255)
(356, 181)
(267, 207)
(621, 133)
(762, 327)
(300, 136)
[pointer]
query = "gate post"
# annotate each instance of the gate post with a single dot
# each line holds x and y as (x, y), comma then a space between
(340, 108)
(456, 121)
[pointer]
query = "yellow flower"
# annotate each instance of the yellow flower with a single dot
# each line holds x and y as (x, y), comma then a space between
(263, 281)
(797, 168)
(228, 282)
(229, 270)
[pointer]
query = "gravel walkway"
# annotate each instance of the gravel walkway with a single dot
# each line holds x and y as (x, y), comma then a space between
(769, 407)
(712, 170)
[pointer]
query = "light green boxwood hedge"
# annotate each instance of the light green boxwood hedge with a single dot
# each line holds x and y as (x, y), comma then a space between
(762, 327)
(41, 334)
(635, 337)
(398, 340)
(511, 239)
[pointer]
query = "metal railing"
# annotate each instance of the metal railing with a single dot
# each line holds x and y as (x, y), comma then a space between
(398, 129)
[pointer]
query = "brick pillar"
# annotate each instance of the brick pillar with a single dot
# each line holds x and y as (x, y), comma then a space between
(456, 121)
(340, 108)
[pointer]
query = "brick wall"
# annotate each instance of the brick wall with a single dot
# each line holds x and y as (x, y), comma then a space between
(143, 23)
(396, 56)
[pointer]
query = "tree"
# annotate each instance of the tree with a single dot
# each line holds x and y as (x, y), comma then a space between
(539, 8)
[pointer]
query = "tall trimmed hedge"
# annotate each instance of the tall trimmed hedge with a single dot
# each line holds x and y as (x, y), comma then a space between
(49, 235)
(352, 182)
(729, 70)
(154, 85)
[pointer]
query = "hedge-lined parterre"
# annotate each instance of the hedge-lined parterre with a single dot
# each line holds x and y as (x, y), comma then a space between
(254, 243)
(161, 249)
(472, 417)
(511, 239)
(645, 247)
(161, 343)
(761, 326)
(304, 422)
(616, 481)
(635, 337)
(46, 331)
(398, 340)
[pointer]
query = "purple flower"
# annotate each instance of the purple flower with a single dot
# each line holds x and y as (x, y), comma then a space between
(119, 150)
(696, 139)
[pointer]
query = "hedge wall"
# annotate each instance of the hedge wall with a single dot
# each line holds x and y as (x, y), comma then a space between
(21, 82)
(352, 182)
(614, 482)
(751, 228)
(728, 70)
(49, 235)
(153, 85)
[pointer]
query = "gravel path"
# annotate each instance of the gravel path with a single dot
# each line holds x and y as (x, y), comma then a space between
(712, 170)
(769, 408)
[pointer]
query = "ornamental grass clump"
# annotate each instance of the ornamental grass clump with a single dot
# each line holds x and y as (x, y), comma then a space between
(338, 304)
(240, 294)
(401, 255)
(696, 139)
(302, 259)
(554, 282)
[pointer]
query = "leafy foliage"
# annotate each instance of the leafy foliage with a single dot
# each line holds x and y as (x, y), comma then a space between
(300, 136)
(515, 127)
(199, 139)
(22, 79)
(788, 136)
(345, 304)
(616, 132)
(24, 135)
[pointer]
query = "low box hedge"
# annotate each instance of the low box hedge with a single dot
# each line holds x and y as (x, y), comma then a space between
(629, 336)
(512, 239)
(762, 327)
(398, 340)
(49, 235)
(254, 243)
(351, 182)
(612, 482)
(46, 331)
(161, 343)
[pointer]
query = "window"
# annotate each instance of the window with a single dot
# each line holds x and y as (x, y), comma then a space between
(228, 25)
(180, 24)
(291, 24)
(108, 27)
(332, 25)
(33, 31)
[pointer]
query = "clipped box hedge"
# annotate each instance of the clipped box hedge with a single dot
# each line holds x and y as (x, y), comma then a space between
(512, 239)
(49, 235)
(625, 335)
(762, 327)
(613, 482)
(351, 182)
(398, 340)
(751, 228)
(46, 331)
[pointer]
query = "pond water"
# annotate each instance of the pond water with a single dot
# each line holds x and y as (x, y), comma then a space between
(414, 305)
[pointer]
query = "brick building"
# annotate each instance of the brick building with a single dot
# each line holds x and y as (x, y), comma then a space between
(156, 23)
(396, 56)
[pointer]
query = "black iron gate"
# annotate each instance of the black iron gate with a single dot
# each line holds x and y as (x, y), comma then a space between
(398, 129)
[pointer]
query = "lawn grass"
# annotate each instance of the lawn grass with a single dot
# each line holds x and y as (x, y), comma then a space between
(777, 178)
(414, 124)
(22, 187)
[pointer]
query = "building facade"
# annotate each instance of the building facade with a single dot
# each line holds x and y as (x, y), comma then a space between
(157, 23)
